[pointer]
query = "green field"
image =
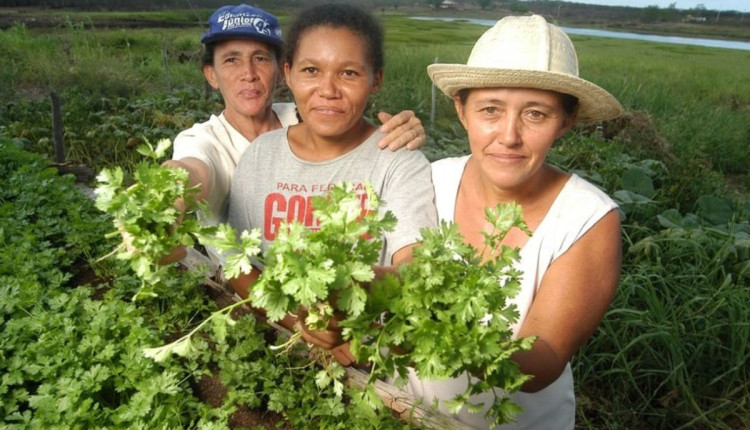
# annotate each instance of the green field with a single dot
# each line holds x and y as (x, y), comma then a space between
(673, 351)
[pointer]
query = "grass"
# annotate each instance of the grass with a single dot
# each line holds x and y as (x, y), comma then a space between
(673, 350)
(686, 88)
(114, 62)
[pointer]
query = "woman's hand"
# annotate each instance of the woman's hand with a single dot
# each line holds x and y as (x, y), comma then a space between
(402, 129)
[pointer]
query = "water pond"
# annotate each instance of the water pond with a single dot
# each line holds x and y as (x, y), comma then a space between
(711, 43)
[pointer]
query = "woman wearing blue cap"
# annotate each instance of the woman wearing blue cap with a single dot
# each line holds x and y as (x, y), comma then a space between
(242, 49)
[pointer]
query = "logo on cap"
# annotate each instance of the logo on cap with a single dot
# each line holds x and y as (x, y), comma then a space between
(243, 22)
(230, 21)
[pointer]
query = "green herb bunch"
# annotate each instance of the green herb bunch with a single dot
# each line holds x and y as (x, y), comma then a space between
(147, 216)
(322, 272)
(445, 315)
(319, 274)
(145, 213)
(448, 315)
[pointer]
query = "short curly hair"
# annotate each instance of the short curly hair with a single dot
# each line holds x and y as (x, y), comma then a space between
(338, 15)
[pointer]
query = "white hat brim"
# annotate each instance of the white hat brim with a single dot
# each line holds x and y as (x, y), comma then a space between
(595, 103)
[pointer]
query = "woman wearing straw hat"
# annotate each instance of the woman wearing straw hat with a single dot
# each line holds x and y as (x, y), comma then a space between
(517, 94)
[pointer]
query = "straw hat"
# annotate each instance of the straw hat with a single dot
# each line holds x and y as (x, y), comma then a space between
(526, 52)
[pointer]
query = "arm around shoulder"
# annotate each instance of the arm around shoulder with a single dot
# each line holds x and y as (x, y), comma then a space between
(403, 129)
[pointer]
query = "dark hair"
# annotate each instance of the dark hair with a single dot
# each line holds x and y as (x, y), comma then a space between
(209, 49)
(207, 56)
(339, 15)
(569, 102)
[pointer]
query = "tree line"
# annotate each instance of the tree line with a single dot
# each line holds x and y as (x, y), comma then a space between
(162, 4)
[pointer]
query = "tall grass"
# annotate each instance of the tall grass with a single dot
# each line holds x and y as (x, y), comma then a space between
(699, 97)
(674, 347)
(110, 62)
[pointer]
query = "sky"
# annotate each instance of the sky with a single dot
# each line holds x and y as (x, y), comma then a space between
(738, 5)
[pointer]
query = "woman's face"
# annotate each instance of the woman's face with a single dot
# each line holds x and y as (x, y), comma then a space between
(245, 71)
(511, 130)
(331, 79)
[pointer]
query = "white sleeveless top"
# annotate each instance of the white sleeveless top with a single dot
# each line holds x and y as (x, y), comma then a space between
(578, 206)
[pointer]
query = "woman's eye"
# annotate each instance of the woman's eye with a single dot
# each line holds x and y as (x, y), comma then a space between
(535, 114)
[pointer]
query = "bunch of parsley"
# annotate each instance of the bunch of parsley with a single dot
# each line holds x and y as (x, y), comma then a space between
(323, 271)
(448, 315)
(145, 213)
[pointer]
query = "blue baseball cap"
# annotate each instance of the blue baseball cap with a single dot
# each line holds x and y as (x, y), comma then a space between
(243, 22)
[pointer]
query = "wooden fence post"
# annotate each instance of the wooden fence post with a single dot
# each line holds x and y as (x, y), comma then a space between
(434, 102)
(166, 64)
(57, 127)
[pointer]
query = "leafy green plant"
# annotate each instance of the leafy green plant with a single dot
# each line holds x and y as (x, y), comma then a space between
(448, 314)
(43, 215)
(145, 213)
(71, 347)
(450, 288)
(323, 271)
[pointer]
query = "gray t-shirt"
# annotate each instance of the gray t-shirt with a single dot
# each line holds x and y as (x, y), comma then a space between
(272, 185)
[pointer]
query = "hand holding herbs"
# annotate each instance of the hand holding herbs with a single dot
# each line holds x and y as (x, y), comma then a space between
(145, 214)
(447, 313)
(323, 271)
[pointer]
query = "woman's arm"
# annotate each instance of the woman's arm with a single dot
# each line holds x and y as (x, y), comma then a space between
(571, 301)
(242, 283)
(198, 174)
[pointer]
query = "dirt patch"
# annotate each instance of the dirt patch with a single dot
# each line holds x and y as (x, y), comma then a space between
(211, 391)
(84, 274)
(637, 128)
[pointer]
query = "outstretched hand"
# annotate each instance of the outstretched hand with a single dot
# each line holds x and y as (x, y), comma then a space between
(402, 129)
